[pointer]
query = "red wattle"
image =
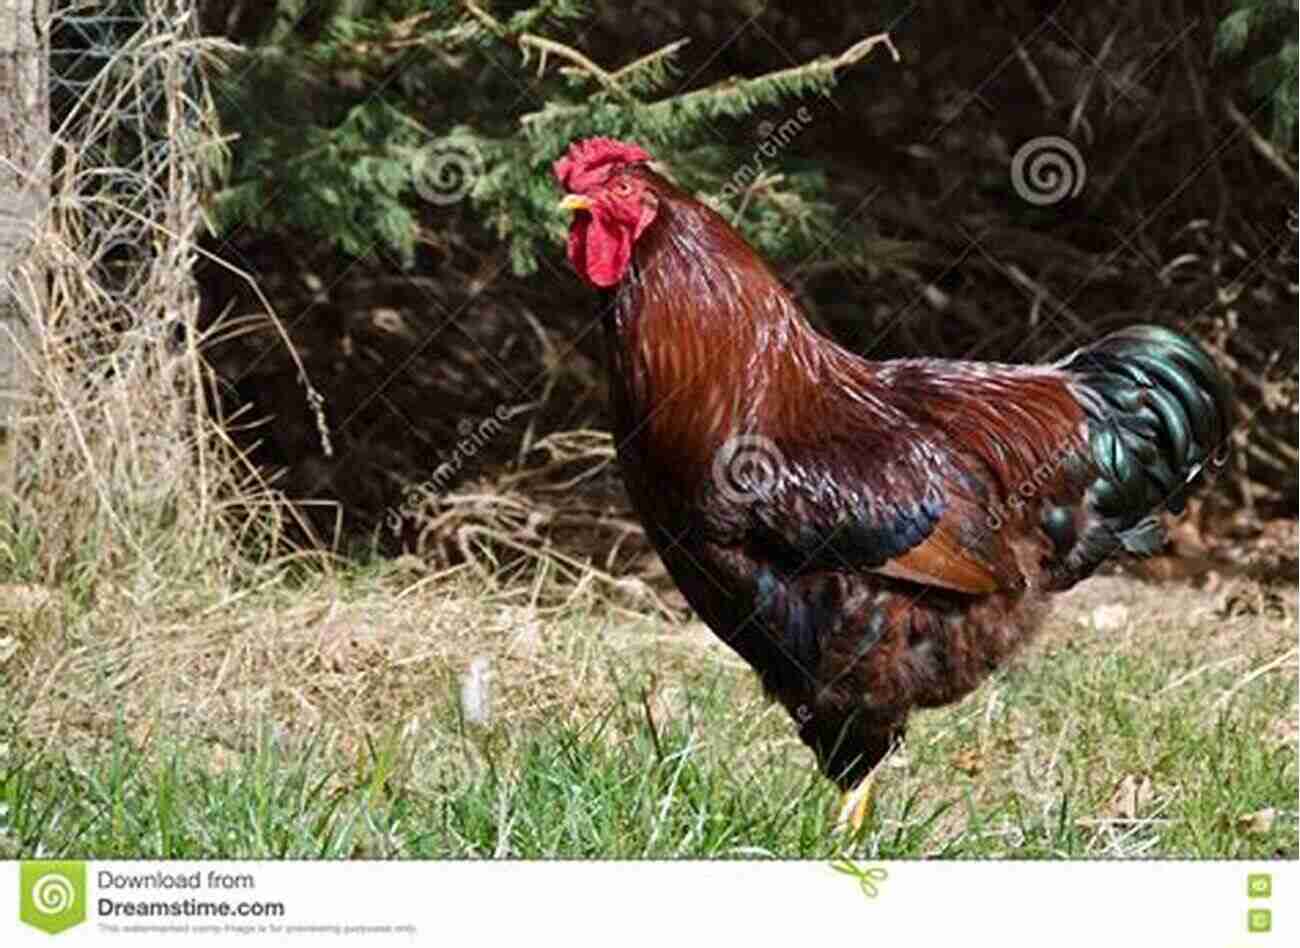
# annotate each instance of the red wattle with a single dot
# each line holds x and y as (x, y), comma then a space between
(600, 254)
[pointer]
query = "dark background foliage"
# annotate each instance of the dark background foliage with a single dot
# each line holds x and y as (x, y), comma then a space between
(892, 213)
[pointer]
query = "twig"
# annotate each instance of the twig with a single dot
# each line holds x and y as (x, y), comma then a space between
(1194, 82)
(1258, 672)
(1199, 670)
(1036, 78)
(662, 52)
(1258, 141)
(530, 41)
(544, 46)
(1057, 747)
(860, 49)
(1078, 115)
(650, 718)
(494, 25)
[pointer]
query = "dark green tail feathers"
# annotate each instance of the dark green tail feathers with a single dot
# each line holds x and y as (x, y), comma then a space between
(1159, 411)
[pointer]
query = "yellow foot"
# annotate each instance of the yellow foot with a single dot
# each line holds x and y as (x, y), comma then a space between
(855, 807)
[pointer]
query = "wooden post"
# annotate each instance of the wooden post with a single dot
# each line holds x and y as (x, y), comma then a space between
(24, 195)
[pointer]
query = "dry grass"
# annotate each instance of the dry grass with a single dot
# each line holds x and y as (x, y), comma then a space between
(1118, 740)
(121, 477)
(351, 655)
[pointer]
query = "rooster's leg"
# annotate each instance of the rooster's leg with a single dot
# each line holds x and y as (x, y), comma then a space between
(856, 806)
(860, 741)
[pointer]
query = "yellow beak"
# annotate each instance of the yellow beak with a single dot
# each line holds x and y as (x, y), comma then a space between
(575, 202)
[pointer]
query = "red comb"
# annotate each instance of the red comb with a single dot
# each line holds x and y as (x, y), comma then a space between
(590, 161)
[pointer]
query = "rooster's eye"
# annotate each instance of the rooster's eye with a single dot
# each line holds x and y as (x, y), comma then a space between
(622, 188)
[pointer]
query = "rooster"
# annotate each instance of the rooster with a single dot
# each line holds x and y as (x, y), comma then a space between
(871, 537)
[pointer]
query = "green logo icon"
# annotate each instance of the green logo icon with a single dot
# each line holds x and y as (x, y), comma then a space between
(1259, 920)
(1259, 885)
(52, 895)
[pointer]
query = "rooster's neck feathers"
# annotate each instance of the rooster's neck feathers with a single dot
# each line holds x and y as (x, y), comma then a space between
(713, 342)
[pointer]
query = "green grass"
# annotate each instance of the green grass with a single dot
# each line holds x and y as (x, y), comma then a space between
(561, 790)
(635, 739)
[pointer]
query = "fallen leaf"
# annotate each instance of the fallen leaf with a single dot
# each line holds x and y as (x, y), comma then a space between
(349, 648)
(1257, 823)
(1286, 730)
(969, 761)
(21, 601)
(1253, 599)
(1185, 534)
(221, 758)
(140, 734)
(1132, 796)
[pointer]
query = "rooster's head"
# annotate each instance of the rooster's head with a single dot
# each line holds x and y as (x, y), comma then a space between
(612, 207)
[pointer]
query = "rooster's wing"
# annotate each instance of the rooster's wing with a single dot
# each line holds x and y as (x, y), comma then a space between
(905, 506)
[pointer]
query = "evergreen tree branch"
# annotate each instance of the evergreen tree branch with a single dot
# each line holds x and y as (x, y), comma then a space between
(774, 85)
(733, 96)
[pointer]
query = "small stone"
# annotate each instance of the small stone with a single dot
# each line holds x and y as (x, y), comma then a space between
(1110, 617)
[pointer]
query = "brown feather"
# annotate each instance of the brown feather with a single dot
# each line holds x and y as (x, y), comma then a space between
(938, 561)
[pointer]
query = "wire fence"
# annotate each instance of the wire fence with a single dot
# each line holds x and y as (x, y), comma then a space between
(115, 417)
(134, 138)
